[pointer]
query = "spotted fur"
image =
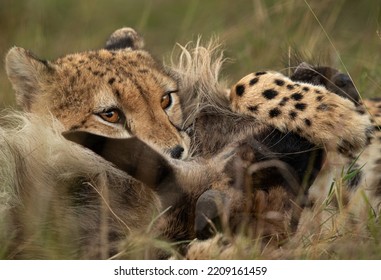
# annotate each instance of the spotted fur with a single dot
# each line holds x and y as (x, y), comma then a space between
(120, 80)
(309, 110)
(365, 165)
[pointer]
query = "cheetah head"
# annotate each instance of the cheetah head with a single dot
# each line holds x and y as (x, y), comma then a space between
(119, 91)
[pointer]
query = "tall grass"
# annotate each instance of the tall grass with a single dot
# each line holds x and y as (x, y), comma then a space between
(257, 34)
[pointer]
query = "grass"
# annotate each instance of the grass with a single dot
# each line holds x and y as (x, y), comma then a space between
(327, 231)
(257, 35)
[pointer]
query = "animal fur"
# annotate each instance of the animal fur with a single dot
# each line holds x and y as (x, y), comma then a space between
(60, 200)
(213, 126)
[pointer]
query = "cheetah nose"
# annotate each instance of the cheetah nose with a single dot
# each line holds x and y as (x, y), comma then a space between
(176, 152)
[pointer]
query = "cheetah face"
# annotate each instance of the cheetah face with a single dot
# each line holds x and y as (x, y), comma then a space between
(117, 92)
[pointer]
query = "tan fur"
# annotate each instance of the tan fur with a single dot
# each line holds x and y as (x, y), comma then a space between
(78, 87)
(60, 193)
(365, 189)
(73, 90)
(55, 191)
(55, 188)
(312, 111)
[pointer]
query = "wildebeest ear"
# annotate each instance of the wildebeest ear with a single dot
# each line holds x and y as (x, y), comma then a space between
(131, 155)
(124, 38)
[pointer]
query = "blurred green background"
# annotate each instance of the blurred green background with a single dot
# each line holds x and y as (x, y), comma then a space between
(257, 34)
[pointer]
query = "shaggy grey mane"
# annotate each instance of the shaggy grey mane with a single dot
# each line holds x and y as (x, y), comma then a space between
(198, 69)
(49, 185)
(204, 96)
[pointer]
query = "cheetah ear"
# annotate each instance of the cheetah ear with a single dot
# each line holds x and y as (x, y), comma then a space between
(123, 38)
(26, 71)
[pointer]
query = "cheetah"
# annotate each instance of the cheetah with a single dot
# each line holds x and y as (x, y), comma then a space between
(107, 200)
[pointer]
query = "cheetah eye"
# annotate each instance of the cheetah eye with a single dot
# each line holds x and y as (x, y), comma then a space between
(111, 115)
(166, 100)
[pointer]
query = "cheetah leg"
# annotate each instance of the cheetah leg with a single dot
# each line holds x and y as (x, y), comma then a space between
(313, 112)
